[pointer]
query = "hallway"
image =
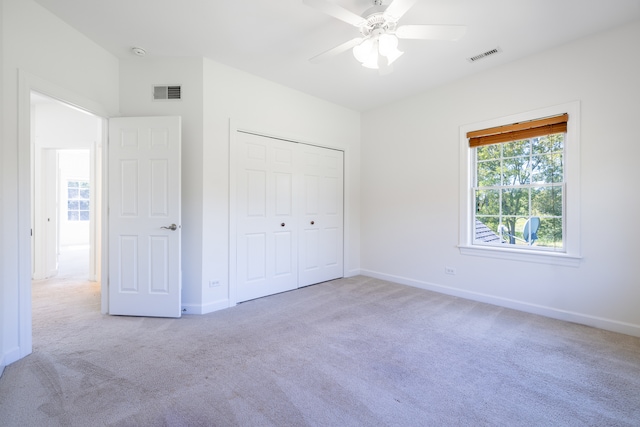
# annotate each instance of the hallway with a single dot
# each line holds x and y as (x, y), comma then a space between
(73, 263)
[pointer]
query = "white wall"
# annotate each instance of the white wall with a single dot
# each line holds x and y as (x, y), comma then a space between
(410, 193)
(58, 126)
(39, 52)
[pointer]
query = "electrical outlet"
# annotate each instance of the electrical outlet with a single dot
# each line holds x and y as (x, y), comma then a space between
(450, 270)
(214, 283)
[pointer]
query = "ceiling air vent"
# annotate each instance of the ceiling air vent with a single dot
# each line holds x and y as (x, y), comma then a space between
(484, 54)
(165, 93)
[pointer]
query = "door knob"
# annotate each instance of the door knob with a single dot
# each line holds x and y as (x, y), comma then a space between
(172, 227)
(282, 225)
(313, 222)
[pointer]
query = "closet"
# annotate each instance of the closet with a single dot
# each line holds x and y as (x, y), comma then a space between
(289, 215)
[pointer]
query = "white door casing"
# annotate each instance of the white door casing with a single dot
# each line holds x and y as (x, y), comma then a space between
(266, 217)
(144, 205)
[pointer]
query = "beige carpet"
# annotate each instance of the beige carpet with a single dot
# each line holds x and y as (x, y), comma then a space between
(356, 351)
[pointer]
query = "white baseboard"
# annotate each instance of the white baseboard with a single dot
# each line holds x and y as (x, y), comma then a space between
(215, 306)
(569, 316)
(9, 357)
(352, 273)
(205, 308)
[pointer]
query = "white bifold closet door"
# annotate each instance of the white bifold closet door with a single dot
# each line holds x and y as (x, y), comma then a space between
(289, 215)
(320, 253)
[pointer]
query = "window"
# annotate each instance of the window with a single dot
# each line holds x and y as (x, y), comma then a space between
(78, 200)
(518, 185)
(519, 192)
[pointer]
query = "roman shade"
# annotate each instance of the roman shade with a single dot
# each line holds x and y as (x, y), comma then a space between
(517, 131)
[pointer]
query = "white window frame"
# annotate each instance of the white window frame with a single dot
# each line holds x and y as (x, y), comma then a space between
(570, 256)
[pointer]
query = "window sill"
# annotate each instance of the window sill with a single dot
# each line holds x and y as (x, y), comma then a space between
(552, 258)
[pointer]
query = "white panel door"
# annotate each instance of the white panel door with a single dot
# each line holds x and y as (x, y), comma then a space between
(144, 216)
(266, 234)
(321, 214)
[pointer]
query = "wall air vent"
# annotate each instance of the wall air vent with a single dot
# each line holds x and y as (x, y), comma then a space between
(167, 93)
(484, 54)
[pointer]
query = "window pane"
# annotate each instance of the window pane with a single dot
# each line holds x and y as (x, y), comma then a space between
(547, 168)
(487, 202)
(490, 221)
(547, 201)
(72, 205)
(84, 184)
(516, 148)
(83, 205)
(84, 215)
(72, 215)
(486, 230)
(73, 184)
(489, 173)
(515, 171)
(72, 193)
(550, 233)
(509, 229)
(84, 193)
(548, 143)
(487, 152)
(515, 201)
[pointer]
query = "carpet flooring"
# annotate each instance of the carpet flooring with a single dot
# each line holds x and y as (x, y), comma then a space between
(350, 352)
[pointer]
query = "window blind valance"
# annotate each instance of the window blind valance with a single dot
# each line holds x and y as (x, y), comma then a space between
(517, 131)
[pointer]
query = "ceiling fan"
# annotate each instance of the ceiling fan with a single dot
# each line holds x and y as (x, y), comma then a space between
(377, 45)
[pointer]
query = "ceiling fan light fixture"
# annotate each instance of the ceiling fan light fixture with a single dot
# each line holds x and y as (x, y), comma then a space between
(375, 49)
(389, 47)
(371, 62)
(388, 44)
(365, 50)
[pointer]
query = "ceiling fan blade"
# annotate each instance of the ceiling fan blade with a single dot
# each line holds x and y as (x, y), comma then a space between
(398, 8)
(336, 11)
(431, 32)
(336, 50)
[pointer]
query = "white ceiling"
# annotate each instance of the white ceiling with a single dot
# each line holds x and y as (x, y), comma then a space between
(274, 39)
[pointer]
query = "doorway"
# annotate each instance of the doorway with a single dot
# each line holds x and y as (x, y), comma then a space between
(66, 176)
(74, 223)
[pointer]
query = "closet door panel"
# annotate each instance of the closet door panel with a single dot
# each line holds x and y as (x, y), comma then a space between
(321, 215)
(266, 234)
